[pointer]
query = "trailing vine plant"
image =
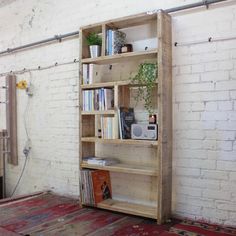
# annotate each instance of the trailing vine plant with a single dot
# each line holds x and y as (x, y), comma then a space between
(145, 78)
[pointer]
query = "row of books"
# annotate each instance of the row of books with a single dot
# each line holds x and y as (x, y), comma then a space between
(108, 127)
(90, 73)
(96, 186)
(115, 39)
(98, 99)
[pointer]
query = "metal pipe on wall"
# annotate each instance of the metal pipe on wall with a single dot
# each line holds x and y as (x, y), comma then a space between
(63, 36)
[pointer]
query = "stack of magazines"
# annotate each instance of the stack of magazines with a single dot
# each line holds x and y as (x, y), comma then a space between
(100, 161)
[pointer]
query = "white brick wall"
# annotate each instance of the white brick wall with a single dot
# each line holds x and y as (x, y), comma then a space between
(204, 99)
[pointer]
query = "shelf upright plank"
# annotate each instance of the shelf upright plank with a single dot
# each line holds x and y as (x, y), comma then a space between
(164, 115)
(80, 106)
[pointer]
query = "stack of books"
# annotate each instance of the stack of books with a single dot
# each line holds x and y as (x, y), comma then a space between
(115, 39)
(96, 186)
(91, 73)
(98, 99)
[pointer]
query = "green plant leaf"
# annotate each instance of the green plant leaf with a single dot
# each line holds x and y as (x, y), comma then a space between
(146, 76)
(94, 39)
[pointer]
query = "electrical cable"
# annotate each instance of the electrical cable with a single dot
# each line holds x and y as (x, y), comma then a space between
(26, 150)
(22, 172)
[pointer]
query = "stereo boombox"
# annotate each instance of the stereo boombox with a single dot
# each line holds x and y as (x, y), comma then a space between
(144, 131)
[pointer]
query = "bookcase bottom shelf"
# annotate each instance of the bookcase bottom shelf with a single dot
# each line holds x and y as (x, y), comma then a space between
(129, 208)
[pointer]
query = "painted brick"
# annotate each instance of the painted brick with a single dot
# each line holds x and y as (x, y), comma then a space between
(229, 85)
(212, 174)
(226, 125)
(187, 171)
(220, 135)
(226, 165)
(225, 105)
(198, 106)
(226, 65)
(224, 145)
(215, 76)
(211, 106)
(198, 70)
(214, 194)
(214, 116)
(226, 206)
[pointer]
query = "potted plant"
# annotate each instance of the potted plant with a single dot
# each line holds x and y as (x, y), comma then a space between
(146, 79)
(94, 42)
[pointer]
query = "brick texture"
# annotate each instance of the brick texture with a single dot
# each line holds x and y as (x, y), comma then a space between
(204, 99)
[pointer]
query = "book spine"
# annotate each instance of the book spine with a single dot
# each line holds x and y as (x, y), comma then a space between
(107, 40)
(112, 42)
(85, 73)
(91, 73)
(109, 43)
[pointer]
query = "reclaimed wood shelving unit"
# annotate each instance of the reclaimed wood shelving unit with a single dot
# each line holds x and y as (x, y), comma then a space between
(141, 182)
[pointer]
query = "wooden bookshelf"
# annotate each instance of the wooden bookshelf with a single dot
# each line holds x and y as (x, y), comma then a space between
(145, 182)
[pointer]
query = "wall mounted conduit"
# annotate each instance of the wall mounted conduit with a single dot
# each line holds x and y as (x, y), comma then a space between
(58, 38)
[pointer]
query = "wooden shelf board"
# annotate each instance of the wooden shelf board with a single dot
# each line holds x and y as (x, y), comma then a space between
(105, 84)
(120, 141)
(124, 22)
(122, 168)
(129, 208)
(109, 112)
(109, 84)
(122, 57)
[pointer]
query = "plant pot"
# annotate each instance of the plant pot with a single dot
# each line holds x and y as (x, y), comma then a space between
(95, 51)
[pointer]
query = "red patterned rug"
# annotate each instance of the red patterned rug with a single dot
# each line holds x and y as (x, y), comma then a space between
(49, 214)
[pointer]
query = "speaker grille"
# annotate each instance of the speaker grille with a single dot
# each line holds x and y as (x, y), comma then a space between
(137, 131)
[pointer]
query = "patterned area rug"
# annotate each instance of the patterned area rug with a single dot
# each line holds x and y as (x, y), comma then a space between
(49, 214)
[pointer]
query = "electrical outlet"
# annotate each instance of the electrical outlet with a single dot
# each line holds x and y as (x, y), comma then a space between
(27, 148)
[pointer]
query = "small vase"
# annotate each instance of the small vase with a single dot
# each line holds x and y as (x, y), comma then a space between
(95, 51)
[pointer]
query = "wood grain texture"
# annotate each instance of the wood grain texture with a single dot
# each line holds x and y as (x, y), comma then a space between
(11, 120)
(122, 168)
(120, 141)
(164, 116)
(121, 57)
(127, 207)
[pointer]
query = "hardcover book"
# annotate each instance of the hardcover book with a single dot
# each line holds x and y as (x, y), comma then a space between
(101, 185)
(126, 119)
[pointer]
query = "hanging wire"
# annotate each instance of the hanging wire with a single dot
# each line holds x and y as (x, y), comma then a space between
(38, 68)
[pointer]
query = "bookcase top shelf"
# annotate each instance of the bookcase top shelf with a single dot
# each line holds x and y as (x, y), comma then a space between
(124, 22)
(148, 54)
(120, 141)
(124, 168)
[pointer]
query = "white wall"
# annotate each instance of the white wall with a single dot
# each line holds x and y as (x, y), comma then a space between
(204, 99)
